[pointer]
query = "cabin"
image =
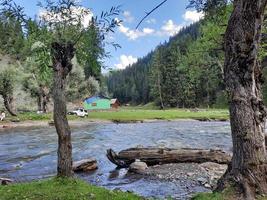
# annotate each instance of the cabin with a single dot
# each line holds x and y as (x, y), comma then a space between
(97, 103)
(114, 103)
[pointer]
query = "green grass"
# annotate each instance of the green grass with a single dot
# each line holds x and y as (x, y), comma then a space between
(138, 114)
(61, 189)
(227, 194)
(133, 114)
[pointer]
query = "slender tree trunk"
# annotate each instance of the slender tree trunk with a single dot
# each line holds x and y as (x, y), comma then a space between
(39, 102)
(242, 71)
(61, 56)
(8, 102)
(45, 98)
(44, 107)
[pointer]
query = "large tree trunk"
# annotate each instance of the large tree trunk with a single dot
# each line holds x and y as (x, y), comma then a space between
(8, 102)
(62, 55)
(155, 156)
(242, 71)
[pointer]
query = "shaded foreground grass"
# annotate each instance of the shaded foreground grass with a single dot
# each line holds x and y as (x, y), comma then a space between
(61, 189)
(127, 115)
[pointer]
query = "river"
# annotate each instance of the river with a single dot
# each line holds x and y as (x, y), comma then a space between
(30, 153)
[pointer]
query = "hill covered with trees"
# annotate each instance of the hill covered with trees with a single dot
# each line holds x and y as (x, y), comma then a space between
(186, 71)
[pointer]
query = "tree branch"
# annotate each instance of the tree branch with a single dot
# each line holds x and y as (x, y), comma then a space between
(149, 13)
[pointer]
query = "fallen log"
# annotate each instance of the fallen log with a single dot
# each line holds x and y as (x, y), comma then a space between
(155, 156)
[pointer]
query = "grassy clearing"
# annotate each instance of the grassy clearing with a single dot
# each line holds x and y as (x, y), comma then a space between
(131, 114)
(138, 114)
(61, 189)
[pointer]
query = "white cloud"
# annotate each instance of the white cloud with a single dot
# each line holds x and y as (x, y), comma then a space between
(125, 61)
(192, 16)
(75, 14)
(148, 30)
(128, 17)
(151, 21)
(133, 34)
(170, 28)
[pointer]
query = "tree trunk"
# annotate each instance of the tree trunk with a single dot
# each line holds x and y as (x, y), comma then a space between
(243, 78)
(155, 156)
(39, 101)
(61, 57)
(160, 92)
(8, 102)
(45, 98)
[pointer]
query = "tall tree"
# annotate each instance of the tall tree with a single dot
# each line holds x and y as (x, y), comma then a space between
(243, 79)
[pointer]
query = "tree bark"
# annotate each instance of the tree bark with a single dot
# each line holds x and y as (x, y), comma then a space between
(39, 101)
(243, 78)
(8, 102)
(155, 156)
(61, 57)
(45, 98)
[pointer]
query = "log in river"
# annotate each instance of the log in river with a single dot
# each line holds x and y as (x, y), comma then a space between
(157, 156)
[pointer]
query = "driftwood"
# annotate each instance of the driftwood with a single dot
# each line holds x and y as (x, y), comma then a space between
(5, 181)
(155, 156)
(85, 165)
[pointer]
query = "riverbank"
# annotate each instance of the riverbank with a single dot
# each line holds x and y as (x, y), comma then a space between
(61, 189)
(124, 115)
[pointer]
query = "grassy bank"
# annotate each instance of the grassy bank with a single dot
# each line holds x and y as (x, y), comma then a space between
(131, 114)
(227, 194)
(61, 189)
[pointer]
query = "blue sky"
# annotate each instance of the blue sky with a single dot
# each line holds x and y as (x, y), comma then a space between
(158, 27)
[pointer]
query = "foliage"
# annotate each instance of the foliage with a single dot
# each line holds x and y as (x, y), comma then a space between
(61, 189)
(78, 87)
(7, 80)
(11, 36)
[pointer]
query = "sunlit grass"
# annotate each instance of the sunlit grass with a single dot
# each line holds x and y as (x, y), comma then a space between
(61, 189)
(130, 114)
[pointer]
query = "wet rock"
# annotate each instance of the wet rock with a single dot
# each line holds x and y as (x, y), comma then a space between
(138, 167)
(85, 165)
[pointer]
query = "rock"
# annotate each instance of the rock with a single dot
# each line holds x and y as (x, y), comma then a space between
(202, 180)
(85, 165)
(138, 167)
(190, 174)
(5, 181)
(207, 185)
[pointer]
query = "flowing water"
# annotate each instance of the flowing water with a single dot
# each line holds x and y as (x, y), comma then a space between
(30, 153)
